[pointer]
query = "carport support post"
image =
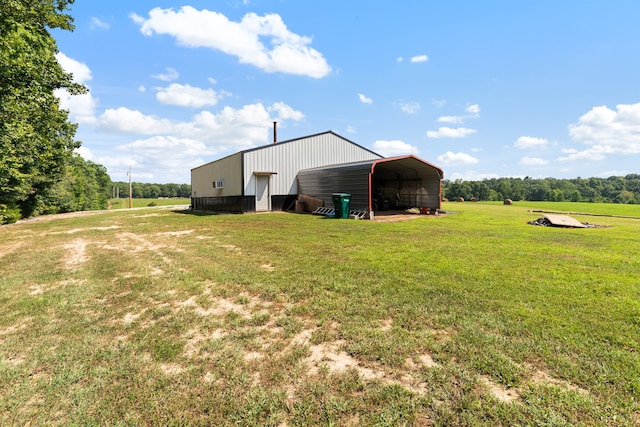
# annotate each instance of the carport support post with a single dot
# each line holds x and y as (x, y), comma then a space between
(371, 214)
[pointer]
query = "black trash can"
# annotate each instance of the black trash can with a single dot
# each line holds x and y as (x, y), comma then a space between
(342, 204)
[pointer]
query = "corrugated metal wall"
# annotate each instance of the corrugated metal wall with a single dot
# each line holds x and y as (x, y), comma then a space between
(352, 179)
(289, 157)
(228, 169)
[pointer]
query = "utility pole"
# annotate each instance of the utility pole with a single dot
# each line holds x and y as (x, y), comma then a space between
(130, 195)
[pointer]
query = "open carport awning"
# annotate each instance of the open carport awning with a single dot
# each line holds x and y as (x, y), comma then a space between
(407, 165)
(413, 180)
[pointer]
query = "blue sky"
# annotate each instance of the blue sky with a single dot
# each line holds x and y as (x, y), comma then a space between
(482, 89)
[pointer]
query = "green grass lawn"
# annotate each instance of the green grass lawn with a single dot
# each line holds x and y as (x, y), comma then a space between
(156, 317)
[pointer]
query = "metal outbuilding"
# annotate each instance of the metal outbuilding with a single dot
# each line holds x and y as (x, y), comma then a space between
(377, 185)
(264, 178)
(272, 177)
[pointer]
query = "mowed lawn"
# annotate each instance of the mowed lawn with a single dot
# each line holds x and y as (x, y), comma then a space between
(156, 317)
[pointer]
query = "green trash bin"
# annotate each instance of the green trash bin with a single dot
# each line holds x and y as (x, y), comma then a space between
(342, 204)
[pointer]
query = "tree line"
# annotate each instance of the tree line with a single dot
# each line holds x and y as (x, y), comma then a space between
(141, 190)
(615, 189)
(40, 171)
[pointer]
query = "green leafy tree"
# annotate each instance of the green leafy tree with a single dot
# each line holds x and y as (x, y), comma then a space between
(36, 138)
(84, 186)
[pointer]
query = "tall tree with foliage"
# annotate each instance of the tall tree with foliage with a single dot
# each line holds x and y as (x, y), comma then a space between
(36, 137)
(85, 186)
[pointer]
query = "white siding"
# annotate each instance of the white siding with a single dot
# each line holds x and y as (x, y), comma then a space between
(287, 158)
(228, 170)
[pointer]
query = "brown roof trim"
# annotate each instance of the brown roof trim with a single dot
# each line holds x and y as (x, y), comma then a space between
(408, 156)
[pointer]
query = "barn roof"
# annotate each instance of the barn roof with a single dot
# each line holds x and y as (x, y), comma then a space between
(398, 164)
(262, 147)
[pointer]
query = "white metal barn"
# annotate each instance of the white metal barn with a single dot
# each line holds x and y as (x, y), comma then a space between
(271, 177)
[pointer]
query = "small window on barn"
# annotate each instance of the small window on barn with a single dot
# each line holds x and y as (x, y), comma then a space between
(218, 184)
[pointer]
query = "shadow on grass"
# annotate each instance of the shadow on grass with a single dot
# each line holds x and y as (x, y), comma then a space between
(201, 213)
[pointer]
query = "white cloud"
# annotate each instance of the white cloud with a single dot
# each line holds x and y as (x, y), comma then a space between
(142, 89)
(439, 103)
(450, 158)
(532, 161)
(364, 99)
(595, 153)
(187, 96)
(282, 51)
(132, 121)
(160, 158)
(607, 132)
(410, 107)
(399, 59)
(285, 112)
(526, 142)
(84, 152)
(569, 150)
(451, 119)
(81, 72)
(173, 148)
(446, 132)
(473, 109)
(420, 58)
(97, 23)
(351, 129)
(170, 75)
(81, 107)
(394, 148)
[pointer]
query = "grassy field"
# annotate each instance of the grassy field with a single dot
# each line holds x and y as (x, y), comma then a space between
(155, 317)
(143, 203)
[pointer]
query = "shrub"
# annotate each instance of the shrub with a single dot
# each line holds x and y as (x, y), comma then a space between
(9, 215)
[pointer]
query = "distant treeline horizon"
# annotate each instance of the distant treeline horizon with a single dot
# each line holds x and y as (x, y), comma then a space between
(144, 190)
(615, 189)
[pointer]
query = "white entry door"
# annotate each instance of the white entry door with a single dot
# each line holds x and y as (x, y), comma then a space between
(262, 193)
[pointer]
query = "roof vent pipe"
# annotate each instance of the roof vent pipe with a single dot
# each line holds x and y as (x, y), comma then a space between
(275, 134)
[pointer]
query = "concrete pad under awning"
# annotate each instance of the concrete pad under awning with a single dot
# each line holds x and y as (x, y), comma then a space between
(564, 221)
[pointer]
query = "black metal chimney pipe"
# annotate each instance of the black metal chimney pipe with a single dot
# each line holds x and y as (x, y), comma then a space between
(275, 137)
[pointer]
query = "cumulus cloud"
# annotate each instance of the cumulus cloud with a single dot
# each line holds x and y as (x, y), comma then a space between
(97, 23)
(446, 132)
(285, 112)
(81, 107)
(410, 107)
(394, 148)
(451, 119)
(132, 121)
(473, 112)
(167, 150)
(439, 103)
(81, 72)
(473, 109)
(188, 96)
(607, 132)
(526, 142)
(364, 99)
(595, 153)
(532, 161)
(419, 58)
(262, 41)
(170, 75)
(451, 158)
